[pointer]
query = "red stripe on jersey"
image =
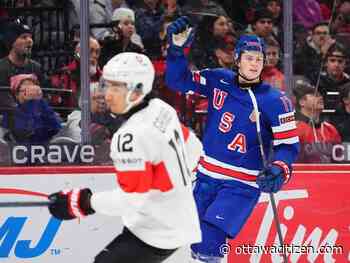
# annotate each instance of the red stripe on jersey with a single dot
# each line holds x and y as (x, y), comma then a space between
(285, 135)
(161, 178)
(225, 171)
(196, 77)
(154, 177)
(185, 132)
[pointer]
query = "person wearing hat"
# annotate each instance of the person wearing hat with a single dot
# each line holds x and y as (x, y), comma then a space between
(249, 143)
(101, 12)
(262, 24)
(123, 26)
(34, 120)
(19, 42)
(332, 78)
(17, 38)
(316, 136)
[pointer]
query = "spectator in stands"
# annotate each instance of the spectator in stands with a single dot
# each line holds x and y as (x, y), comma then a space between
(121, 40)
(18, 40)
(34, 120)
(171, 8)
(315, 135)
(148, 25)
(333, 77)
(68, 78)
(72, 128)
(262, 25)
(341, 23)
(211, 29)
(308, 59)
(101, 12)
(271, 73)
(223, 53)
(274, 6)
(341, 118)
(200, 6)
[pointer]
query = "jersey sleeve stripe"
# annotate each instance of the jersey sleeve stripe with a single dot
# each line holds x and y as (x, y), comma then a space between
(284, 127)
(286, 141)
(285, 135)
(153, 177)
(225, 171)
(198, 78)
(213, 161)
(185, 132)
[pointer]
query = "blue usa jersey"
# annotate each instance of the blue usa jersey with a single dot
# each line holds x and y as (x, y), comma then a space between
(230, 142)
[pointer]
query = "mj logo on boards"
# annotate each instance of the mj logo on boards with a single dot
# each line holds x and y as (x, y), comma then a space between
(10, 233)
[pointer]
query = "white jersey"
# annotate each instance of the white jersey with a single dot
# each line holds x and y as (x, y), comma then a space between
(154, 155)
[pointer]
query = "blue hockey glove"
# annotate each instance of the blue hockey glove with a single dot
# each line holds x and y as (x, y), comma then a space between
(67, 205)
(272, 178)
(179, 35)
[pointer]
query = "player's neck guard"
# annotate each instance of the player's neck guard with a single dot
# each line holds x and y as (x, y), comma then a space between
(121, 118)
(245, 85)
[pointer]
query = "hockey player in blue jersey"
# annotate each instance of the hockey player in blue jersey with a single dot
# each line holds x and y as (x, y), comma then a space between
(231, 174)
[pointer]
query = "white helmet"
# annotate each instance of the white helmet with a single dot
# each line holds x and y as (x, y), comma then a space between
(134, 69)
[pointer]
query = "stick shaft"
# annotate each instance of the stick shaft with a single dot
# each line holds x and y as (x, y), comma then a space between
(23, 204)
(265, 162)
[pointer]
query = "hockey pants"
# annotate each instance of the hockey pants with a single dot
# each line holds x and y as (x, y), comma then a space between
(127, 248)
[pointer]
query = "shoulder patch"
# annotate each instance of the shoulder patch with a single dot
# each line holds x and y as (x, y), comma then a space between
(286, 117)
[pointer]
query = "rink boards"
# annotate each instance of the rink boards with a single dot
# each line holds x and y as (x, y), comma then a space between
(314, 210)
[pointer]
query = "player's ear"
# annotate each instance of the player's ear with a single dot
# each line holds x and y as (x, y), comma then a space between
(135, 95)
(237, 63)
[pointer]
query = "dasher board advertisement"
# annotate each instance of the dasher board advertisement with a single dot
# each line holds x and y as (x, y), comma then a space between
(314, 211)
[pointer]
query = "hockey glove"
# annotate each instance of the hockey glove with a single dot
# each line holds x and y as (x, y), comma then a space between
(273, 177)
(67, 205)
(179, 35)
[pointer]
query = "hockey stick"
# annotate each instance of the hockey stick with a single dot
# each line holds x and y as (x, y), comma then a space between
(17, 191)
(23, 204)
(264, 159)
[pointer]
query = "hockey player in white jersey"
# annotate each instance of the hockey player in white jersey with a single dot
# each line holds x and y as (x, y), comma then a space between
(153, 155)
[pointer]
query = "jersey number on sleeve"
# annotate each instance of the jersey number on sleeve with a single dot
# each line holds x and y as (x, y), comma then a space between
(287, 104)
(124, 142)
(180, 154)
